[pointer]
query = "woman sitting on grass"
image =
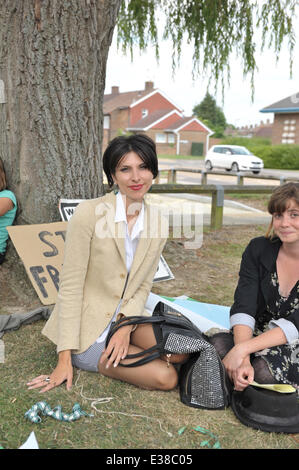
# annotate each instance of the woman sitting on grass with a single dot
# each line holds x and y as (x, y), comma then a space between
(112, 250)
(265, 315)
(8, 209)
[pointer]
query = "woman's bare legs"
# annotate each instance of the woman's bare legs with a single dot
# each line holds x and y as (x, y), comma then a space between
(156, 375)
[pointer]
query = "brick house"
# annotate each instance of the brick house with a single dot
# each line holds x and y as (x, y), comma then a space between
(150, 111)
(285, 129)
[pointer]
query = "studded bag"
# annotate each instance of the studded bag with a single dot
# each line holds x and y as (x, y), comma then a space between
(202, 378)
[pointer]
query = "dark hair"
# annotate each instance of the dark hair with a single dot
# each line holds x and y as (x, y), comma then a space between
(279, 200)
(141, 144)
(2, 176)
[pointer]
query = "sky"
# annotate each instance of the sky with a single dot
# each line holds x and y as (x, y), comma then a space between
(272, 81)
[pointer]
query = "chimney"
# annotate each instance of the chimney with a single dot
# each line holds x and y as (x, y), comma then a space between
(149, 86)
(115, 90)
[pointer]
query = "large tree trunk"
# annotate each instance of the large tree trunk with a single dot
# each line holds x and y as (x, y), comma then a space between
(53, 57)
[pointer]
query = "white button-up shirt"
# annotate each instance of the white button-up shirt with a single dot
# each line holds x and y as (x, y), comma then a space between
(131, 242)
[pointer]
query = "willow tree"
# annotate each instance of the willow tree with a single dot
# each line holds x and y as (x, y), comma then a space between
(53, 56)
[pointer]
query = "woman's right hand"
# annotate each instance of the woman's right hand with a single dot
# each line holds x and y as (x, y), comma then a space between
(239, 368)
(62, 373)
(117, 348)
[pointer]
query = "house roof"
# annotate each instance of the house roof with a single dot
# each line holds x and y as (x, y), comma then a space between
(153, 118)
(122, 100)
(162, 116)
(185, 121)
(287, 105)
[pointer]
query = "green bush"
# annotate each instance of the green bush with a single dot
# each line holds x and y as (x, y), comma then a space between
(284, 156)
(245, 141)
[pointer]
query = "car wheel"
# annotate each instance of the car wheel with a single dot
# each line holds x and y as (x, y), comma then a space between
(256, 172)
(235, 167)
(208, 165)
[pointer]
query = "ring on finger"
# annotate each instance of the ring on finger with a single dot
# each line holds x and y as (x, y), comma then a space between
(47, 379)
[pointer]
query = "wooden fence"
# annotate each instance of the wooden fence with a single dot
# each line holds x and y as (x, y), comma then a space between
(172, 175)
(216, 191)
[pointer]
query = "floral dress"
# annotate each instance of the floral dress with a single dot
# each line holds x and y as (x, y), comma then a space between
(283, 361)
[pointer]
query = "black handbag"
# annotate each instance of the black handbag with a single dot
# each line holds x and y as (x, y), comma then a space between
(167, 322)
(202, 379)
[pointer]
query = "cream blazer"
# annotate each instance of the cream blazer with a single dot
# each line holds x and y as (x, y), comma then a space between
(94, 276)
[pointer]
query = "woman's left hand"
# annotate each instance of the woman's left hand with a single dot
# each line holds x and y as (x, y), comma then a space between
(117, 348)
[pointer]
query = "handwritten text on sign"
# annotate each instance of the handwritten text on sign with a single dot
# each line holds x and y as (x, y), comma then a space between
(41, 248)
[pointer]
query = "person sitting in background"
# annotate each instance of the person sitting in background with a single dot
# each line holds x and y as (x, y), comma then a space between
(8, 209)
(264, 345)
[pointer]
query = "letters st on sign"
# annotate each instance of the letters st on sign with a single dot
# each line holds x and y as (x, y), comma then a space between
(41, 248)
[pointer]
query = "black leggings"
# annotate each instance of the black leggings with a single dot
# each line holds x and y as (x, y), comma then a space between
(2, 256)
(223, 343)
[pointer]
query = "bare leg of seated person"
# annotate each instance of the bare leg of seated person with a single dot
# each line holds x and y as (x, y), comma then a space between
(156, 375)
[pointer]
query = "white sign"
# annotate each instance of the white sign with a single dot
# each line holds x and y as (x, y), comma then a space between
(66, 209)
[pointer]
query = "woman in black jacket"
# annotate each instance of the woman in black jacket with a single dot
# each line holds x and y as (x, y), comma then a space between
(265, 315)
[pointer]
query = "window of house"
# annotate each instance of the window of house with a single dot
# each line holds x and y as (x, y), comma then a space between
(144, 112)
(170, 138)
(106, 122)
(161, 138)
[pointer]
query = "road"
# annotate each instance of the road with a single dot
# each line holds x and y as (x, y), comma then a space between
(194, 178)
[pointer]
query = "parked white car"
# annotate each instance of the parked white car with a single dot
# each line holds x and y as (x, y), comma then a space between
(233, 157)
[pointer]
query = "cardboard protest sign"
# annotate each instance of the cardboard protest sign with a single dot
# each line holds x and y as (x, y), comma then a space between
(66, 209)
(41, 249)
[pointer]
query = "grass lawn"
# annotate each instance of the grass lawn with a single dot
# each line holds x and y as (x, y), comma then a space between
(133, 418)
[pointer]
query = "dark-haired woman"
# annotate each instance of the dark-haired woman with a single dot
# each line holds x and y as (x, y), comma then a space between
(112, 250)
(265, 314)
(8, 209)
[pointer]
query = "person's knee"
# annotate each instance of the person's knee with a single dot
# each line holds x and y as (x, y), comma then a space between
(166, 379)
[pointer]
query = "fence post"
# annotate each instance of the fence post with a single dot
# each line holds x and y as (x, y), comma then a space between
(172, 176)
(217, 208)
(204, 177)
(282, 179)
(240, 179)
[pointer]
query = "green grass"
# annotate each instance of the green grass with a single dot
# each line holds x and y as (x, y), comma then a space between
(134, 418)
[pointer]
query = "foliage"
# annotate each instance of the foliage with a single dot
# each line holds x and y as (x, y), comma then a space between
(282, 156)
(246, 142)
(211, 114)
(215, 29)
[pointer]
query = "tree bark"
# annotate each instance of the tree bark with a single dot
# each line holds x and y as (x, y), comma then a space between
(53, 56)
